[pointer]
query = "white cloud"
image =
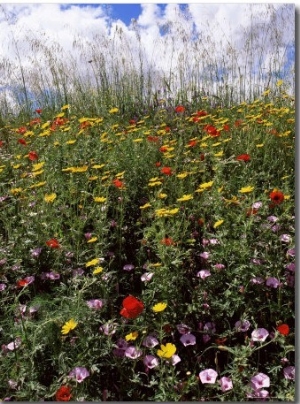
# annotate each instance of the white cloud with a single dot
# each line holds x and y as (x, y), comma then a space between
(231, 40)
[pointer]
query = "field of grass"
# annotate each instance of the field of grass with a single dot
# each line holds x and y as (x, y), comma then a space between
(149, 256)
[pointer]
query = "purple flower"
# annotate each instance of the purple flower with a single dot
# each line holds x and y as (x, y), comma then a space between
(150, 341)
(53, 276)
(150, 361)
(256, 261)
(208, 376)
(257, 280)
(290, 280)
(289, 372)
(35, 252)
(188, 339)
(175, 359)
(276, 228)
(285, 238)
(242, 326)
(291, 266)
(204, 255)
(15, 344)
(210, 326)
(128, 267)
(147, 276)
(206, 338)
(272, 282)
(3, 261)
(260, 334)
(219, 266)
(108, 328)
(96, 304)
(132, 352)
(2, 286)
(291, 252)
(79, 374)
(272, 218)
(257, 205)
(259, 381)
(258, 394)
(77, 272)
(213, 241)
(122, 344)
(183, 328)
(204, 273)
(225, 383)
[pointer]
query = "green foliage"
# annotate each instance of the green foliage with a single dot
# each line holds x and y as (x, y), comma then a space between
(159, 208)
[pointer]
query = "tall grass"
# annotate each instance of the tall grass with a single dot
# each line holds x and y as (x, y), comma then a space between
(99, 71)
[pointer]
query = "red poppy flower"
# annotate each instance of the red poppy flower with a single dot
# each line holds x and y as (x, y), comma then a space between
(192, 143)
(22, 129)
(166, 171)
(1, 143)
(132, 122)
(179, 109)
(21, 283)
(167, 129)
(277, 197)
(238, 123)
(202, 156)
(201, 113)
(53, 243)
(85, 124)
(38, 111)
(154, 139)
(22, 141)
(117, 183)
(63, 394)
(226, 127)
(163, 149)
(34, 121)
(158, 164)
(243, 157)
(283, 329)
(132, 307)
(212, 130)
(167, 241)
(251, 211)
(33, 156)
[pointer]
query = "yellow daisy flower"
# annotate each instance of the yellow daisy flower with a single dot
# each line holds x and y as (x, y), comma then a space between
(68, 326)
(166, 351)
(246, 190)
(50, 197)
(159, 307)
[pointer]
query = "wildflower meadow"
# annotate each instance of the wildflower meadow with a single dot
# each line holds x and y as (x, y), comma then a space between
(147, 248)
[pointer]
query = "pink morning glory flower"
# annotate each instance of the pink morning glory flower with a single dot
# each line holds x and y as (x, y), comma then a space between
(259, 381)
(204, 273)
(242, 326)
(79, 374)
(132, 352)
(150, 361)
(273, 282)
(260, 334)
(188, 339)
(225, 383)
(289, 372)
(150, 341)
(208, 376)
(96, 304)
